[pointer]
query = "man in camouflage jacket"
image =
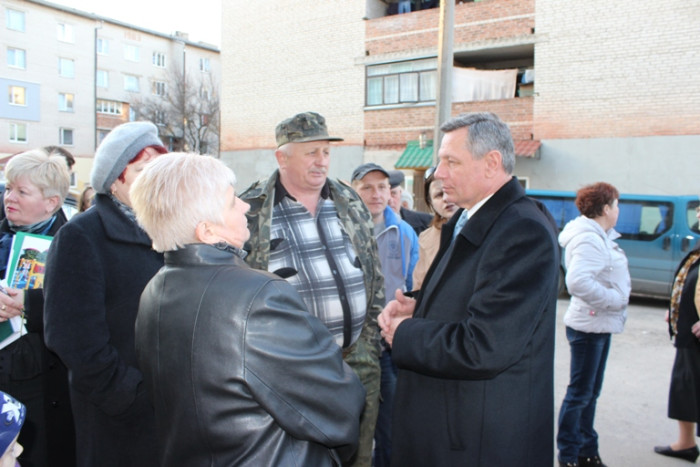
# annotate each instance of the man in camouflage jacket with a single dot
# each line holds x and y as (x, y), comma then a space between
(363, 354)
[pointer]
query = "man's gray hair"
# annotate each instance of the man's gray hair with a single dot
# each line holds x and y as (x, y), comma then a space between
(487, 132)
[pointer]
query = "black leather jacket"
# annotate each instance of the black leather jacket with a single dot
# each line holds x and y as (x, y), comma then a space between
(239, 372)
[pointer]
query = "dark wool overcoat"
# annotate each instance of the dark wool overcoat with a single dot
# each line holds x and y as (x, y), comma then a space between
(476, 363)
(98, 265)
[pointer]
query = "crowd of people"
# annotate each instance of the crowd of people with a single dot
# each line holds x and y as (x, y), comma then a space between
(312, 321)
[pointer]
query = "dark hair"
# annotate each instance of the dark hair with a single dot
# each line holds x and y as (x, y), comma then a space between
(138, 157)
(591, 199)
(51, 150)
(438, 220)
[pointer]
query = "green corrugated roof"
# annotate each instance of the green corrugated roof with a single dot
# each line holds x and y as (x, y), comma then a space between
(414, 157)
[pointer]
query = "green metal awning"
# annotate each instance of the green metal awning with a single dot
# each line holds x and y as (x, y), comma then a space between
(414, 157)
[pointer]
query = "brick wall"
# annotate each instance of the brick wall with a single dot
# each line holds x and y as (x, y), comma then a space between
(617, 69)
(393, 128)
(282, 59)
(474, 22)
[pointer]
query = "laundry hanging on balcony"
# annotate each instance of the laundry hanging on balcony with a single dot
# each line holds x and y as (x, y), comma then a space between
(470, 84)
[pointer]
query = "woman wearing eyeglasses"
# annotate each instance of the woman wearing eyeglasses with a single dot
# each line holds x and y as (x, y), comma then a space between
(429, 239)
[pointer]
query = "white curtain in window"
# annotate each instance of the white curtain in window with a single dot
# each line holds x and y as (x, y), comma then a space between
(470, 84)
(409, 87)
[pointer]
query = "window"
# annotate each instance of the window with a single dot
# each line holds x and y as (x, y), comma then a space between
(131, 83)
(132, 53)
(159, 59)
(65, 136)
(102, 46)
(66, 67)
(159, 117)
(204, 94)
(402, 82)
(14, 20)
(65, 102)
(16, 58)
(18, 132)
(18, 95)
(158, 88)
(65, 32)
(204, 65)
(102, 78)
(101, 135)
(109, 107)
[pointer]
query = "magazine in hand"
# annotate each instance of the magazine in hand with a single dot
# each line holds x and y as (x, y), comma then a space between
(25, 270)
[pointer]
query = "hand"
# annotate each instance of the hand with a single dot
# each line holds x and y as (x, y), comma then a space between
(393, 314)
(11, 304)
(696, 329)
(666, 316)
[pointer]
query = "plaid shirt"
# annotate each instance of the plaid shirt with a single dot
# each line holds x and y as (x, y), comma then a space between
(303, 243)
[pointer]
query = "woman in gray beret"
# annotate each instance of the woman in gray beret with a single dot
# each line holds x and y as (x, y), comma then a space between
(96, 270)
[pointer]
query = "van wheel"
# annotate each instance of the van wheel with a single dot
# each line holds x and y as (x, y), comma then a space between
(561, 289)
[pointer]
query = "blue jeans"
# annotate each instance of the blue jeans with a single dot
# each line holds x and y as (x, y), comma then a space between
(589, 353)
(405, 6)
(382, 432)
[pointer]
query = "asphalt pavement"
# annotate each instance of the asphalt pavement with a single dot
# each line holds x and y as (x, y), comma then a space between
(631, 414)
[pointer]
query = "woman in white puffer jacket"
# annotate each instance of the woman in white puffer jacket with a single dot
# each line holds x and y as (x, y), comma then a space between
(598, 280)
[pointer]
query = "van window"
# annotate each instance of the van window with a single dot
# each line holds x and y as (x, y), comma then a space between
(644, 220)
(691, 216)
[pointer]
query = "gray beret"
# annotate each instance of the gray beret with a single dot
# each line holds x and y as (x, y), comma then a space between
(118, 148)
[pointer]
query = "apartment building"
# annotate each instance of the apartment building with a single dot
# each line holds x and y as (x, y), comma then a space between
(591, 90)
(72, 76)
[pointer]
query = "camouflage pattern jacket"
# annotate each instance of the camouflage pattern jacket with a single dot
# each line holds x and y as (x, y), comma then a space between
(354, 217)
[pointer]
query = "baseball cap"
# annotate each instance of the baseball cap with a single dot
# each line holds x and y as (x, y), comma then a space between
(12, 415)
(396, 178)
(360, 172)
(302, 128)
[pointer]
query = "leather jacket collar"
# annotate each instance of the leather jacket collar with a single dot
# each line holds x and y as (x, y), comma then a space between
(201, 254)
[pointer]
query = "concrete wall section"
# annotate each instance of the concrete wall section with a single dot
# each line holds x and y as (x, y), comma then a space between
(646, 165)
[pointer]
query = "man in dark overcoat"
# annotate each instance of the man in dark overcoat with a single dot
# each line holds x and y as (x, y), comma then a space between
(475, 350)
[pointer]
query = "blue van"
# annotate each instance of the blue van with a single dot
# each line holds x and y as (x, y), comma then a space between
(656, 233)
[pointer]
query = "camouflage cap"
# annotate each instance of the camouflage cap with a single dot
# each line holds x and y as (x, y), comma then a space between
(302, 128)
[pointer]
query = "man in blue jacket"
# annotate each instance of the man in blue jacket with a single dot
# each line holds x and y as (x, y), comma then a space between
(398, 253)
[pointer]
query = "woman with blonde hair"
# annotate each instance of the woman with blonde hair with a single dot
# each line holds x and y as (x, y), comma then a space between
(37, 185)
(238, 370)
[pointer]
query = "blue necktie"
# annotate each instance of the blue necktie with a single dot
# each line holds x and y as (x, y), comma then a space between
(460, 223)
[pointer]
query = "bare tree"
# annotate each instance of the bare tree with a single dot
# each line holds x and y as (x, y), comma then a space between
(186, 111)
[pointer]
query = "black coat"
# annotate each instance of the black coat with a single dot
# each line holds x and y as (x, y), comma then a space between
(418, 220)
(476, 363)
(239, 371)
(97, 268)
(36, 377)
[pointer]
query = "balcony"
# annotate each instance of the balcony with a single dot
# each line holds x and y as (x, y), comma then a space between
(489, 35)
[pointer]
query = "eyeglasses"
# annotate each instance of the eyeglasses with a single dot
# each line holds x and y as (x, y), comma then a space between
(429, 173)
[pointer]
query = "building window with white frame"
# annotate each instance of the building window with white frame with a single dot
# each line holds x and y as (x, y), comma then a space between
(65, 102)
(16, 58)
(402, 82)
(17, 95)
(102, 78)
(105, 106)
(132, 53)
(204, 65)
(159, 59)
(66, 67)
(14, 20)
(102, 46)
(158, 88)
(131, 83)
(18, 133)
(65, 32)
(65, 136)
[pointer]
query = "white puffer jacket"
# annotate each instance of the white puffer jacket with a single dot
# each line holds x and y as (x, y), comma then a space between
(597, 277)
